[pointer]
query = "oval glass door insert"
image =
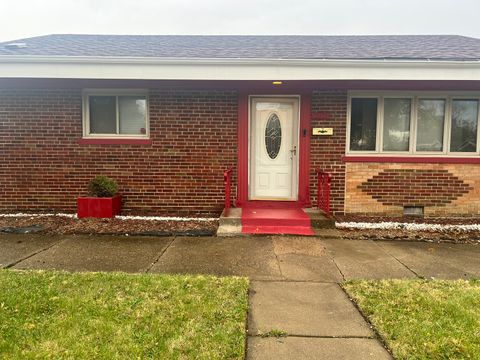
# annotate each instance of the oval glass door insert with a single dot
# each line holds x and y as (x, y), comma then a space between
(273, 136)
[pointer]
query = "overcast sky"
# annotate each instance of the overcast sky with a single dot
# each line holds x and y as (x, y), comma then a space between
(26, 18)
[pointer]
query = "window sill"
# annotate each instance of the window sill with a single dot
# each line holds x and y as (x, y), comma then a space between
(88, 141)
(413, 159)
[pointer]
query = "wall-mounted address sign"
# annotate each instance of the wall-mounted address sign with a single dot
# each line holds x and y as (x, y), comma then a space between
(322, 131)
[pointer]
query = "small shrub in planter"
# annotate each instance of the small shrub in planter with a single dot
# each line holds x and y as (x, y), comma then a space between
(103, 200)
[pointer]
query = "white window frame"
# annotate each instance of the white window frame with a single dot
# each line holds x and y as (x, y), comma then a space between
(414, 96)
(113, 92)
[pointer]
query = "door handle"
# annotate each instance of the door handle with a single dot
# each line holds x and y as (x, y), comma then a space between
(293, 152)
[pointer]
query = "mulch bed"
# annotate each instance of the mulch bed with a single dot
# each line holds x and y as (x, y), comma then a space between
(64, 225)
(449, 236)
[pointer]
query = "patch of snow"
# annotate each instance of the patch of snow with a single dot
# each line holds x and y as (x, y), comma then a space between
(120, 217)
(390, 225)
(37, 215)
(162, 218)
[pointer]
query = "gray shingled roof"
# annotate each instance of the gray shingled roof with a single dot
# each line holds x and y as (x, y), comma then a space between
(421, 47)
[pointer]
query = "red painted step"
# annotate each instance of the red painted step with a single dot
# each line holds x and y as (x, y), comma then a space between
(275, 221)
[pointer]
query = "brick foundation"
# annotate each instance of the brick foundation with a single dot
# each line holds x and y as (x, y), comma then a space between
(442, 189)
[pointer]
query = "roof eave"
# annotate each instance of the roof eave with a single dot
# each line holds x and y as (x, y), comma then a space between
(235, 69)
(227, 61)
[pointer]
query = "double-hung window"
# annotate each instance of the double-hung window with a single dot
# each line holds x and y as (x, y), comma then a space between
(413, 124)
(115, 114)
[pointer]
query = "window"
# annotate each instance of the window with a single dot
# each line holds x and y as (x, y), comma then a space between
(364, 124)
(115, 114)
(396, 128)
(430, 124)
(273, 136)
(416, 124)
(464, 126)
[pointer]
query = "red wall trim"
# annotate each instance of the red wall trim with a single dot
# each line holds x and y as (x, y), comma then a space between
(304, 160)
(115, 141)
(304, 152)
(407, 159)
(242, 174)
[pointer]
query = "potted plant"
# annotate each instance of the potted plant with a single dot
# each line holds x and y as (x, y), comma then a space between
(103, 200)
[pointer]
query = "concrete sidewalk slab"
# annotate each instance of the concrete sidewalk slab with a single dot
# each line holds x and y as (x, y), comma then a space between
(99, 253)
(364, 259)
(241, 256)
(445, 261)
(315, 349)
(17, 247)
(305, 259)
(298, 267)
(304, 309)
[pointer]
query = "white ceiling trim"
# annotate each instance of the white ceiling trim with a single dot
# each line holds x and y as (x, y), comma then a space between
(234, 69)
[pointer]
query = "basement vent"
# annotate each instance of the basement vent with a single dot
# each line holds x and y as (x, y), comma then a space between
(19, 45)
(413, 211)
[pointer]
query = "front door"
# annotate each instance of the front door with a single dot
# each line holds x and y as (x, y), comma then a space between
(274, 148)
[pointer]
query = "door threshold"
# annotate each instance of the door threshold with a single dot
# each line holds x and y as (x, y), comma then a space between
(272, 204)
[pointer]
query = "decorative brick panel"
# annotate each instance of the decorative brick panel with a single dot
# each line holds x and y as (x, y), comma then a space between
(194, 136)
(414, 187)
(327, 151)
(443, 189)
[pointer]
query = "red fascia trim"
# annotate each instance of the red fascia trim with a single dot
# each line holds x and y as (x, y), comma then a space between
(115, 142)
(407, 159)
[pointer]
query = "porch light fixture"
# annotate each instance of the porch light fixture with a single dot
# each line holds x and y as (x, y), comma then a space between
(277, 82)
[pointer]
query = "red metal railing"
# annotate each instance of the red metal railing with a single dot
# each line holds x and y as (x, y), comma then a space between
(323, 191)
(227, 181)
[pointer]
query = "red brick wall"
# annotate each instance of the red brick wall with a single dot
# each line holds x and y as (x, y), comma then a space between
(43, 167)
(327, 151)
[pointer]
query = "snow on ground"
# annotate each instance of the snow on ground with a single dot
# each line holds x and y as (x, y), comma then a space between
(120, 217)
(387, 225)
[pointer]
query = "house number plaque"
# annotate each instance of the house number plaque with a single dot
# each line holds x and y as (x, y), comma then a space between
(322, 131)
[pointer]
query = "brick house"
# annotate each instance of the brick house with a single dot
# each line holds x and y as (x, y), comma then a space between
(393, 119)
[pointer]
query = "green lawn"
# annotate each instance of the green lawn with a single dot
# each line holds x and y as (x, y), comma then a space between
(423, 319)
(59, 315)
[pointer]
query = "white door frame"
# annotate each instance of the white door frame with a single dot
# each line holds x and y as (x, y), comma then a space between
(296, 128)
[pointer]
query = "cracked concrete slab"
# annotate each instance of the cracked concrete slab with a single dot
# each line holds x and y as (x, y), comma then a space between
(364, 259)
(16, 247)
(99, 253)
(305, 259)
(315, 349)
(242, 256)
(445, 261)
(304, 309)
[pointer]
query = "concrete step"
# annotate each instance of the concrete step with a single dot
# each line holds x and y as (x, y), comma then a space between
(230, 223)
(319, 220)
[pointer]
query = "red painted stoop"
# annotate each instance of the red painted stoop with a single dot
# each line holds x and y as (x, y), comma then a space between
(276, 221)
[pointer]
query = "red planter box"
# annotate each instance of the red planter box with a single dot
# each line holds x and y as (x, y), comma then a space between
(99, 207)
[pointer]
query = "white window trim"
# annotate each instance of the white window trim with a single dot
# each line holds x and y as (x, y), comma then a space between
(86, 93)
(415, 96)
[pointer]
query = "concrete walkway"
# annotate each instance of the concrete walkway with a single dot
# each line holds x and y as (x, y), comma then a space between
(294, 286)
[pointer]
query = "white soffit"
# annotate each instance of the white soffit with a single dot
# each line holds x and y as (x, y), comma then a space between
(234, 69)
